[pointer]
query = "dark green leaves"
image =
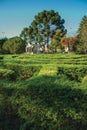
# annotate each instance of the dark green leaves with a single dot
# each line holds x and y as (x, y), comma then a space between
(82, 34)
(44, 25)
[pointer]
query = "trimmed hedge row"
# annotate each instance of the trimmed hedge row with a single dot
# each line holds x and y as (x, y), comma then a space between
(43, 103)
(7, 74)
(73, 72)
(1, 57)
(23, 72)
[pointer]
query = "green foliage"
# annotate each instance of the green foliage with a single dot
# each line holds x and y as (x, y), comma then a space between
(43, 27)
(56, 40)
(14, 45)
(82, 34)
(79, 48)
(49, 100)
(35, 104)
(73, 72)
(7, 74)
(24, 34)
(23, 72)
(1, 43)
(1, 57)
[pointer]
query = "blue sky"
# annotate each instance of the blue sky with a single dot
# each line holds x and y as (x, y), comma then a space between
(17, 14)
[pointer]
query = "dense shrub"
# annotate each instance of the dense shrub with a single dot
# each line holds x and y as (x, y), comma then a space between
(22, 71)
(15, 71)
(1, 57)
(14, 56)
(7, 74)
(43, 103)
(73, 72)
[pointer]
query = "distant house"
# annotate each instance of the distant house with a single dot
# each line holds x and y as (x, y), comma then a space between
(36, 48)
(32, 48)
(46, 48)
(29, 48)
(66, 49)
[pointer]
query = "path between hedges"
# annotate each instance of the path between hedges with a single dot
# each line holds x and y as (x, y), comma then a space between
(47, 70)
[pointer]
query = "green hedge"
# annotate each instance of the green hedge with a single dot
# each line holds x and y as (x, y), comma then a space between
(73, 72)
(1, 57)
(43, 103)
(22, 71)
(7, 74)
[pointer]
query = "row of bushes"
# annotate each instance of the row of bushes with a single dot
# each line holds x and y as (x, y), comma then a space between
(1, 57)
(13, 72)
(73, 72)
(7, 74)
(42, 103)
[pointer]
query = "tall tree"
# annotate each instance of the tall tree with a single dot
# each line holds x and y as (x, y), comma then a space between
(82, 35)
(25, 34)
(44, 26)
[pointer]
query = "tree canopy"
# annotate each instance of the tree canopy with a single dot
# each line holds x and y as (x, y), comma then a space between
(82, 35)
(2, 40)
(56, 40)
(69, 42)
(14, 45)
(43, 27)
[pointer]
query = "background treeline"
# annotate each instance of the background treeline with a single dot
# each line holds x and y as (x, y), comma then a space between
(47, 28)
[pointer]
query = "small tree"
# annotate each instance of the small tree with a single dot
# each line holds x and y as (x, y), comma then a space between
(56, 40)
(14, 45)
(68, 43)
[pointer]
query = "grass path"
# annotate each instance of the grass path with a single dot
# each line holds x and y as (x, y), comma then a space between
(48, 70)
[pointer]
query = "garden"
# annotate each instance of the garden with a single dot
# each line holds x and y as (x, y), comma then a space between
(43, 92)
